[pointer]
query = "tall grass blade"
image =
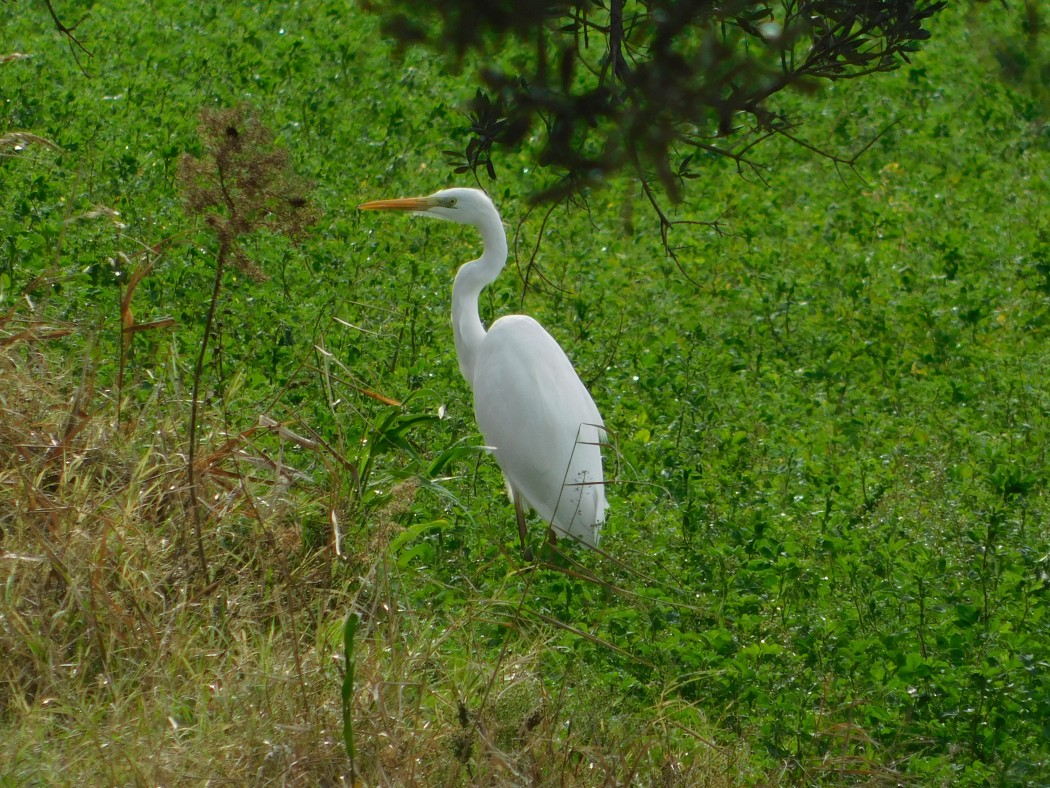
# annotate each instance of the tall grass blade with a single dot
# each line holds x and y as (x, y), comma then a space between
(349, 628)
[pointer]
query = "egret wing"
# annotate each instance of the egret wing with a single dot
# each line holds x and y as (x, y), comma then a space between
(543, 425)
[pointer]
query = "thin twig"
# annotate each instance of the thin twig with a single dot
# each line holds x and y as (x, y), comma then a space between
(850, 162)
(198, 371)
(531, 265)
(609, 358)
(68, 31)
(667, 224)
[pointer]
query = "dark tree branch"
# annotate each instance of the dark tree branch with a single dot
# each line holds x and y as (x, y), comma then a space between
(531, 265)
(69, 32)
(850, 162)
(608, 86)
(667, 224)
(616, 60)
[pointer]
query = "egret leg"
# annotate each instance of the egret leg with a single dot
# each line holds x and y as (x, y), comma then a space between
(519, 511)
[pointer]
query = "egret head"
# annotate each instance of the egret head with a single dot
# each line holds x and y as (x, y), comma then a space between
(463, 206)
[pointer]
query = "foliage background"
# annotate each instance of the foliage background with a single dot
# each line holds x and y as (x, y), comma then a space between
(830, 424)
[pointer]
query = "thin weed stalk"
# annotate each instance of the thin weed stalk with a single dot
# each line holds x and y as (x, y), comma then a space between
(241, 185)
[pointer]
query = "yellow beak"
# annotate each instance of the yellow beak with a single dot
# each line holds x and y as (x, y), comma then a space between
(400, 204)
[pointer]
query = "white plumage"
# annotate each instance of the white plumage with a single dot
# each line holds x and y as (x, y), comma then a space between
(532, 408)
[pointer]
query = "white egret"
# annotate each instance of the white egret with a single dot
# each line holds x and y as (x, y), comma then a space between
(533, 410)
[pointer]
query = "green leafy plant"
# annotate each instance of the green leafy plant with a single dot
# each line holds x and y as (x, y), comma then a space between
(827, 555)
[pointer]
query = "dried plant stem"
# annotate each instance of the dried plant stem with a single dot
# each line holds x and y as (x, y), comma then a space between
(241, 185)
(191, 471)
(123, 358)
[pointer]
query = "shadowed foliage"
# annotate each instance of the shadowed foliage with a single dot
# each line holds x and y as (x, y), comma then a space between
(651, 86)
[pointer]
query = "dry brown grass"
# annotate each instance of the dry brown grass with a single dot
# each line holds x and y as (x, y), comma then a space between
(119, 663)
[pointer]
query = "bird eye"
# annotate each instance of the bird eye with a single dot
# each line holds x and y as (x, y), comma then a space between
(451, 202)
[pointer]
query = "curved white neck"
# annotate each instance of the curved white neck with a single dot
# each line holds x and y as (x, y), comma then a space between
(471, 279)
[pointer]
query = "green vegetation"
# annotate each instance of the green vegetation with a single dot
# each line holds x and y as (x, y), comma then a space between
(829, 551)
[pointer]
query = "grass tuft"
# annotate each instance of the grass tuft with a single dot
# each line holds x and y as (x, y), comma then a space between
(120, 664)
